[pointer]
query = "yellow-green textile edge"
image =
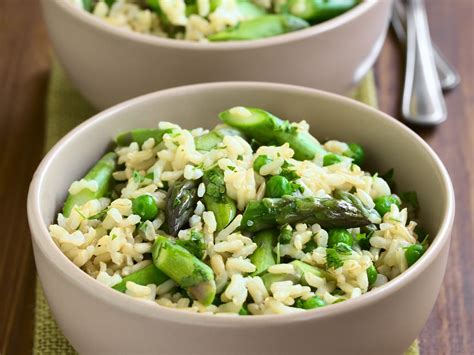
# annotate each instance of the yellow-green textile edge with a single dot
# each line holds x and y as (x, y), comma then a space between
(65, 109)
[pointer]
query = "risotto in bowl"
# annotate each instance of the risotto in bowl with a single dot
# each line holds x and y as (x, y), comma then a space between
(253, 209)
(127, 48)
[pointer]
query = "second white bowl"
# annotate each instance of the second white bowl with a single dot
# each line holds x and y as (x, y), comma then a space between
(110, 65)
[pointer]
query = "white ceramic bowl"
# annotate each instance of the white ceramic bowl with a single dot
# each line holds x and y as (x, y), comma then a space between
(110, 65)
(100, 320)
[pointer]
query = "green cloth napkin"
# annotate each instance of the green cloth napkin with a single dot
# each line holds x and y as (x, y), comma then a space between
(65, 109)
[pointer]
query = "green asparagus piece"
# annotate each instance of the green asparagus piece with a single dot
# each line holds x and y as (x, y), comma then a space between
(263, 257)
(328, 212)
(148, 275)
(268, 129)
(216, 200)
(268, 279)
(101, 173)
(185, 269)
(316, 11)
(260, 27)
(371, 214)
(249, 10)
(210, 140)
(195, 244)
(180, 204)
(302, 268)
(140, 135)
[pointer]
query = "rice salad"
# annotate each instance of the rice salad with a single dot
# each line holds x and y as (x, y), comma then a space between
(252, 217)
(214, 20)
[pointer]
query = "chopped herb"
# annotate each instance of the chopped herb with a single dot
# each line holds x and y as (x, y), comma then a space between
(388, 177)
(277, 252)
(338, 292)
(240, 157)
(288, 171)
(332, 259)
(421, 233)
(410, 201)
(150, 176)
(335, 256)
(80, 213)
(137, 177)
(310, 246)
(343, 249)
(99, 215)
(363, 240)
(114, 236)
(230, 167)
(142, 226)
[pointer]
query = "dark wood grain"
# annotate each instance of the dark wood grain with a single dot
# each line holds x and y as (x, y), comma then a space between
(23, 77)
(24, 64)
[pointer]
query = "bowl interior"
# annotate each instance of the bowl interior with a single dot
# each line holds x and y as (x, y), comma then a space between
(387, 143)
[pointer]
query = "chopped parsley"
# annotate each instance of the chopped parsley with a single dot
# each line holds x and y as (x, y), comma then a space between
(335, 255)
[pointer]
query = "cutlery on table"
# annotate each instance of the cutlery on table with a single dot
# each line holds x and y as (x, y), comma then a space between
(448, 76)
(423, 102)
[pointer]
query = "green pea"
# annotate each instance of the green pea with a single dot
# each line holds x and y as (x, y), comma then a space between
(145, 206)
(330, 159)
(260, 161)
(371, 274)
(278, 186)
(244, 311)
(413, 253)
(383, 203)
(356, 152)
(339, 236)
(313, 302)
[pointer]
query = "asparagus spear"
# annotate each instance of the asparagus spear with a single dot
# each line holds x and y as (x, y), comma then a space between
(216, 200)
(140, 135)
(263, 257)
(195, 244)
(302, 268)
(298, 277)
(249, 10)
(210, 140)
(370, 214)
(268, 129)
(185, 269)
(101, 173)
(268, 279)
(260, 27)
(316, 11)
(148, 275)
(328, 212)
(181, 201)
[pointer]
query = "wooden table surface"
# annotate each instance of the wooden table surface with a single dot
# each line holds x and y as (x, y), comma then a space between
(24, 68)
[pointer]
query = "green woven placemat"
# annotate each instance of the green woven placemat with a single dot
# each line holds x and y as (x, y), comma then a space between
(65, 109)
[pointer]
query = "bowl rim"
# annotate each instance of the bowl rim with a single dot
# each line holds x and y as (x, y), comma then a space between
(88, 19)
(125, 303)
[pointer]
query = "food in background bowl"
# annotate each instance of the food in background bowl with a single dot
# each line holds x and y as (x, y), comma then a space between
(215, 20)
(252, 217)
